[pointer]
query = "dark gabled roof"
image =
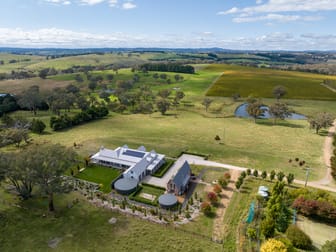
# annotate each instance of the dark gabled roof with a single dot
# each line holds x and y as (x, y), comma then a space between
(133, 153)
(182, 174)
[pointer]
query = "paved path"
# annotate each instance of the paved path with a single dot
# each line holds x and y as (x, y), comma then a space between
(324, 184)
(200, 161)
(162, 182)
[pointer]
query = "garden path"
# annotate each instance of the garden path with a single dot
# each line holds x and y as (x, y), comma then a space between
(225, 197)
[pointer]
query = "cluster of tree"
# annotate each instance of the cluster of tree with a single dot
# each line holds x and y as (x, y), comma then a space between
(40, 167)
(168, 67)
(22, 74)
(8, 103)
(31, 99)
(162, 102)
(224, 180)
(139, 100)
(273, 175)
(277, 214)
(65, 121)
(321, 120)
(255, 108)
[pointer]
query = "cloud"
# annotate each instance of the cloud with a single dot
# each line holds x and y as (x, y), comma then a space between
(112, 3)
(275, 17)
(91, 2)
(54, 37)
(287, 6)
(61, 2)
(128, 6)
(255, 13)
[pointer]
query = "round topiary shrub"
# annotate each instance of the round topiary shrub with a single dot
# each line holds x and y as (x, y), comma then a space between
(272, 245)
(298, 238)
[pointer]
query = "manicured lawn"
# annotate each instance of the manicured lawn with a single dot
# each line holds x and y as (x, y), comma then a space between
(260, 83)
(151, 191)
(86, 228)
(100, 175)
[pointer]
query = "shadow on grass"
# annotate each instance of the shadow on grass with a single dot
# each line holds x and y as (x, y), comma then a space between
(323, 133)
(211, 215)
(279, 123)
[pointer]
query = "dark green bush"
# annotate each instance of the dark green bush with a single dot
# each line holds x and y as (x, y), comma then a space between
(37, 126)
(298, 238)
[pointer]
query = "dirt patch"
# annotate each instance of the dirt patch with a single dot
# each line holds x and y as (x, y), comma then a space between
(225, 197)
(147, 196)
(17, 86)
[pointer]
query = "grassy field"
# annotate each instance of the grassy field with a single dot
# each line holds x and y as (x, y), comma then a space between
(86, 228)
(319, 232)
(260, 83)
(17, 86)
(21, 61)
(244, 143)
(100, 175)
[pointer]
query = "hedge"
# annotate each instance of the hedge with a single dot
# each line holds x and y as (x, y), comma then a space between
(163, 169)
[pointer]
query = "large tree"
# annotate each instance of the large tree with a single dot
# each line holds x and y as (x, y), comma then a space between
(255, 110)
(163, 105)
(279, 110)
(31, 99)
(18, 169)
(50, 164)
(279, 92)
(206, 103)
(321, 120)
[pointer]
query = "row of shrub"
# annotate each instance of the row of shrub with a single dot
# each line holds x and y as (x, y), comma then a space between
(333, 160)
(65, 121)
(163, 169)
(317, 209)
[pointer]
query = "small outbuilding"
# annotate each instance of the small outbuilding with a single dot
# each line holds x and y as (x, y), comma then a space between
(126, 185)
(167, 200)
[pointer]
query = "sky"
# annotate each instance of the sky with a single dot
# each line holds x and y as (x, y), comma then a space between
(229, 24)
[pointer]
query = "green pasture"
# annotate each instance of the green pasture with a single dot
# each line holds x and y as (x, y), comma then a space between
(83, 227)
(260, 82)
(91, 59)
(100, 175)
(22, 61)
(261, 145)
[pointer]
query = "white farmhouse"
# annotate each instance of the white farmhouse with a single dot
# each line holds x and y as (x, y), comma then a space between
(136, 163)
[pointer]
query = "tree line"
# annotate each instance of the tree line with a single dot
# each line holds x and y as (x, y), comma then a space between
(168, 67)
(66, 121)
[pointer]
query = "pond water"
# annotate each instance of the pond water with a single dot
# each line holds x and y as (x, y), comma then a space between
(241, 112)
